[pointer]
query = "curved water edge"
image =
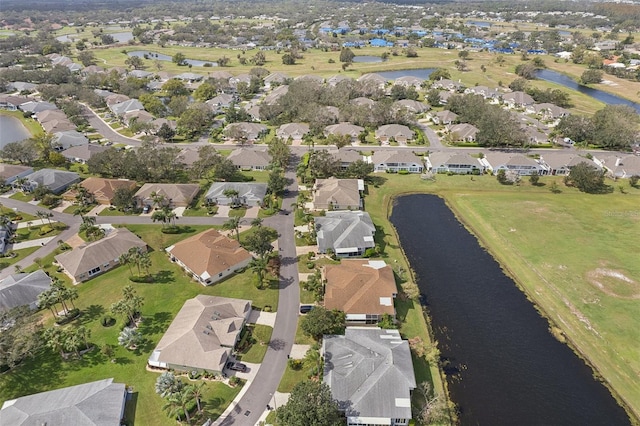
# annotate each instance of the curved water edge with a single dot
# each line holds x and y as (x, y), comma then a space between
(369, 59)
(494, 342)
(568, 82)
(162, 57)
(12, 130)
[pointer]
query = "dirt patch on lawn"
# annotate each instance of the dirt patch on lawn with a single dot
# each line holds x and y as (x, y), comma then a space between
(614, 283)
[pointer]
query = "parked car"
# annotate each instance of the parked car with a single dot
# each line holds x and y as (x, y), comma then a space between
(146, 208)
(236, 366)
(304, 309)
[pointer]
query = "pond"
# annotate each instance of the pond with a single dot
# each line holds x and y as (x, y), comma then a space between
(12, 130)
(423, 73)
(563, 80)
(163, 57)
(502, 365)
(367, 59)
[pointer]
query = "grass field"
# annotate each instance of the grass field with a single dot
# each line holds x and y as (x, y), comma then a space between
(163, 299)
(571, 253)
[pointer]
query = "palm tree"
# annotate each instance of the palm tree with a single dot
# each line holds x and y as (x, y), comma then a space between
(125, 259)
(47, 300)
(55, 338)
(58, 290)
(145, 262)
(158, 199)
(159, 216)
(71, 294)
(171, 216)
(44, 215)
(84, 334)
(233, 224)
(167, 384)
(197, 390)
(184, 398)
(20, 182)
(314, 359)
(129, 338)
(233, 194)
(72, 341)
(172, 408)
(259, 266)
(120, 308)
(257, 222)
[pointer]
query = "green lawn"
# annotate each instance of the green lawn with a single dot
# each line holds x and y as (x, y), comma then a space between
(20, 254)
(34, 233)
(556, 247)
(260, 338)
(319, 263)
(163, 299)
(22, 196)
(16, 216)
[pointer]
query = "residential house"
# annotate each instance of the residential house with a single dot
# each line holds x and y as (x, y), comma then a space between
(344, 128)
(249, 193)
(56, 180)
(91, 259)
(99, 403)
(115, 98)
(57, 126)
(244, 131)
(217, 256)
(49, 115)
(295, 131)
(35, 107)
(310, 77)
(140, 116)
(140, 73)
(275, 79)
(121, 108)
(483, 91)
(103, 190)
(337, 79)
(560, 164)
(464, 132)
(332, 112)
(454, 162)
(517, 100)
(23, 289)
(548, 111)
(447, 84)
(619, 166)
(347, 156)
(444, 117)
(21, 86)
(9, 172)
(398, 132)
(12, 102)
(67, 139)
(82, 153)
(409, 81)
(373, 78)
(396, 161)
(346, 233)
(250, 159)
(337, 194)
(363, 289)
(412, 106)
(275, 94)
(189, 77)
(219, 103)
(203, 334)
(363, 102)
(6, 232)
(174, 194)
(370, 374)
(524, 166)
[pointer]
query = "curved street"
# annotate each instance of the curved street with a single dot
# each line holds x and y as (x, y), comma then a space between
(248, 408)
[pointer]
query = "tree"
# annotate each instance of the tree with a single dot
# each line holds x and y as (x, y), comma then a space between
(310, 403)
(259, 266)
(280, 153)
(55, 338)
(183, 399)
(321, 321)
(153, 104)
(24, 152)
(440, 74)
(591, 76)
(433, 97)
(359, 169)
(196, 390)
(125, 259)
(233, 224)
(463, 54)
(179, 59)
(87, 58)
(175, 87)
(615, 127)
(288, 59)
(346, 55)
(323, 165)
(233, 195)
(633, 180)
(23, 339)
(134, 62)
(167, 384)
(587, 179)
(166, 133)
(534, 178)
(260, 240)
(44, 144)
(432, 409)
(124, 198)
(129, 338)
(576, 127)
(194, 120)
(277, 181)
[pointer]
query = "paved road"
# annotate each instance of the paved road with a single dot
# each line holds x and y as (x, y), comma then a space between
(106, 131)
(261, 389)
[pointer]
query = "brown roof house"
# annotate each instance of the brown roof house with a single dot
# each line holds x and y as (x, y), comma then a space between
(363, 289)
(209, 256)
(103, 190)
(250, 159)
(337, 194)
(88, 260)
(344, 128)
(400, 133)
(10, 172)
(202, 335)
(295, 131)
(175, 194)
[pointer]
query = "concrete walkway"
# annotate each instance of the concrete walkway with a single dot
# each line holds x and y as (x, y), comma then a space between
(252, 212)
(262, 318)
(97, 210)
(62, 206)
(35, 222)
(277, 400)
(300, 250)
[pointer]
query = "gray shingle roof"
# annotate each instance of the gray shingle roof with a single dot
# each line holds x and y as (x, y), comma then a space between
(343, 230)
(97, 403)
(56, 180)
(370, 372)
(248, 193)
(22, 289)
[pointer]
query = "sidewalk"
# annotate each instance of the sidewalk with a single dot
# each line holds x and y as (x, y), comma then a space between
(32, 243)
(277, 400)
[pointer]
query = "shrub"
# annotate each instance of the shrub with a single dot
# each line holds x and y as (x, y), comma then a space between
(108, 321)
(171, 230)
(369, 252)
(234, 381)
(296, 364)
(311, 265)
(45, 230)
(71, 315)
(403, 172)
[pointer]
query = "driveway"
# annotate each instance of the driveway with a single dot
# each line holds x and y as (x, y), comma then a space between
(105, 130)
(223, 211)
(252, 212)
(263, 318)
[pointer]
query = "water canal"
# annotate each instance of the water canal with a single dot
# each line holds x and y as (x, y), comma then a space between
(503, 366)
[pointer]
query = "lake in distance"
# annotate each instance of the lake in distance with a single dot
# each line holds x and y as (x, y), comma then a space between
(502, 364)
(11, 130)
